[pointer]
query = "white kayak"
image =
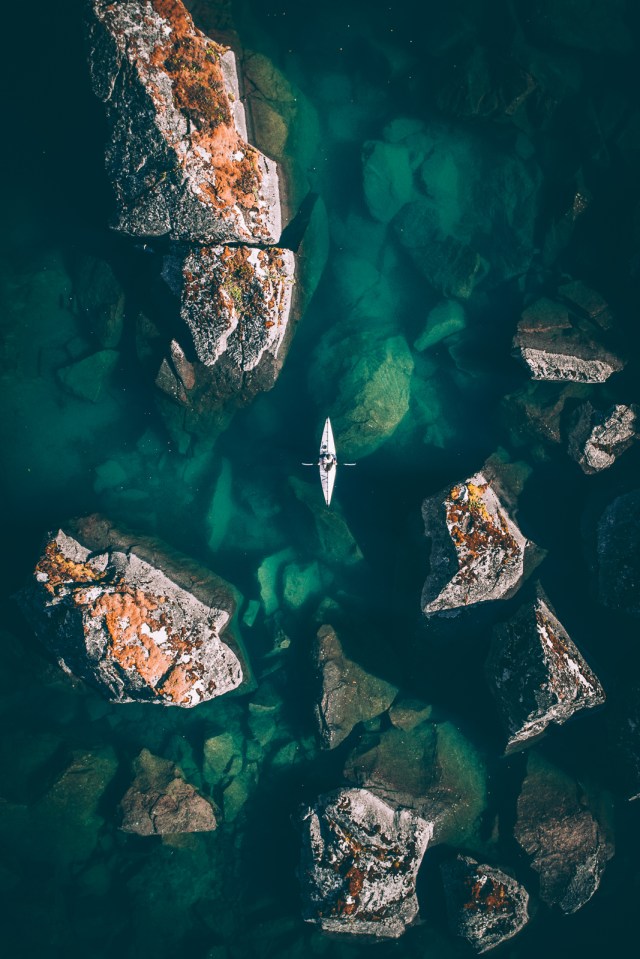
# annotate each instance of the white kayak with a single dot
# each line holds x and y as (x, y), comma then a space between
(327, 461)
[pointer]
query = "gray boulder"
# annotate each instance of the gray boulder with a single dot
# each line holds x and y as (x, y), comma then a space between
(484, 905)
(558, 345)
(236, 301)
(566, 831)
(478, 553)
(125, 615)
(537, 674)
(160, 801)
(597, 439)
(177, 155)
(348, 693)
(359, 863)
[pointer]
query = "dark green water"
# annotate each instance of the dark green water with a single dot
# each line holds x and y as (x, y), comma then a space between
(72, 884)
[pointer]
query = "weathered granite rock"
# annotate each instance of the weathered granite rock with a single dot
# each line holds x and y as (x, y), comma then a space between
(349, 694)
(597, 438)
(126, 616)
(178, 157)
(484, 905)
(159, 801)
(478, 553)
(537, 674)
(359, 863)
(618, 554)
(236, 302)
(557, 345)
(568, 837)
(430, 768)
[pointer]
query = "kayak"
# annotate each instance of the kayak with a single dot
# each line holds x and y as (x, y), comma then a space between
(327, 461)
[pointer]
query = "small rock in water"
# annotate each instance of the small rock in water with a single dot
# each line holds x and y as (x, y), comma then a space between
(557, 825)
(444, 320)
(349, 694)
(597, 439)
(478, 552)
(300, 583)
(111, 607)
(359, 862)
(159, 801)
(388, 179)
(537, 674)
(88, 378)
(484, 905)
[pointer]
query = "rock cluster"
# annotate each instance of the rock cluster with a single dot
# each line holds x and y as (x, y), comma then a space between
(537, 674)
(477, 554)
(115, 614)
(359, 863)
(181, 167)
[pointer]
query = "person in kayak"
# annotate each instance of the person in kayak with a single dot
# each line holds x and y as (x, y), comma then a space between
(327, 461)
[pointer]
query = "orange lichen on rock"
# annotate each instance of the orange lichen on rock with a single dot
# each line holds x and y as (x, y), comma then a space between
(54, 569)
(474, 530)
(131, 617)
(487, 895)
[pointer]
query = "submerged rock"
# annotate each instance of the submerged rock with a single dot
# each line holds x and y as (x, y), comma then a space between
(478, 553)
(236, 302)
(88, 378)
(569, 841)
(129, 618)
(597, 439)
(558, 345)
(349, 694)
(537, 674)
(99, 300)
(178, 157)
(484, 905)
(359, 863)
(335, 541)
(430, 768)
(445, 319)
(536, 412)
(618, 554)
(159, 801)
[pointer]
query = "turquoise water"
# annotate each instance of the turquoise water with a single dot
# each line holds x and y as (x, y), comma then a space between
(376, 132)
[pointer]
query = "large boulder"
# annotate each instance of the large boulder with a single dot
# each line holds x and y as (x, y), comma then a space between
(618, 554)
(178, 156)
(236, 301)
(359, 863)
(537, 674)
(477, 553)
(160, 801)
(428, 767)
(566, 831)
(348, 693)
(484, 905)
(558, 343)
(125, 615)
(598, 438)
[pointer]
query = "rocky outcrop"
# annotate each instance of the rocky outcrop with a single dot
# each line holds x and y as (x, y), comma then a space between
(126, 616)
(236, 302)
(159, 801)
(348, 694)
(561, 343)
(537, 674)
(558, 826)
(359, 863)
(484, 905)
(597, 439)
(177, 156)
(618, 554)
(477, 553)
(428, 767)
